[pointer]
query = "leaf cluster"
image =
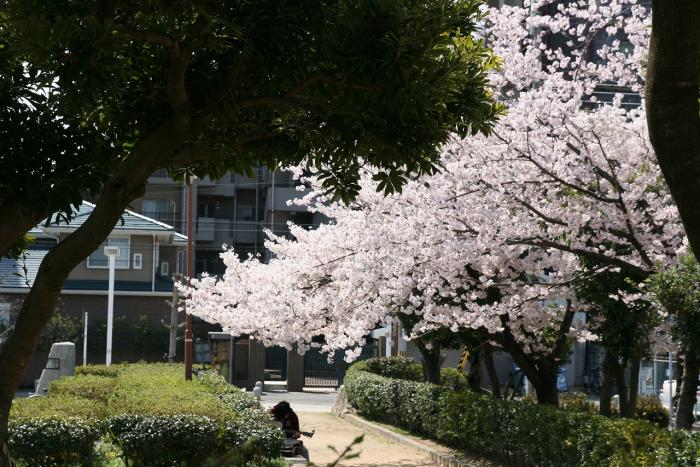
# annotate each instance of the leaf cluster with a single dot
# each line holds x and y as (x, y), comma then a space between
(339, 84)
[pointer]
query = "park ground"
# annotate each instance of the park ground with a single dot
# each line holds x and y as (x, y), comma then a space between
(313, 409)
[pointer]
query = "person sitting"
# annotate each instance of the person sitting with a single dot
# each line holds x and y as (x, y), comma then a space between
(283, 413)
(287, 418)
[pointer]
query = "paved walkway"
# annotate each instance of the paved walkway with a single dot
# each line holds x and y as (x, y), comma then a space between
(307, 401)
(374, 451)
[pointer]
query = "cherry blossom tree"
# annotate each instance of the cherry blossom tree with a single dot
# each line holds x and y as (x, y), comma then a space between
(565, 189)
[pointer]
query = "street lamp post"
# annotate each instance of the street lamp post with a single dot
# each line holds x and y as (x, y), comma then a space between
(111, 252)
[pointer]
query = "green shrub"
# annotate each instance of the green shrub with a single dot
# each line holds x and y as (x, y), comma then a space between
(682, 448)
(233, 397)
(576, 402)
(517, 432)
(147, 440)
(254, 429)
(59, 406)
(97, 388)
(49, 442)
(454, 379)
(160, 389)
(395, 367)
(649, 408)
(100, 370)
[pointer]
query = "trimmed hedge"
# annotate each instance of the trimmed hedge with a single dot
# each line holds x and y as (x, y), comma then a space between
(52, 442)
(100, 370)
(401, 367)
(95, 388)
(148, 410)
(59, 406)
(516, 432)
(164, 441)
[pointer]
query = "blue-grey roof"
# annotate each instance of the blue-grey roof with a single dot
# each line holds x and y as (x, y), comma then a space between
(19, 274)
(129, 221)
(12, 274)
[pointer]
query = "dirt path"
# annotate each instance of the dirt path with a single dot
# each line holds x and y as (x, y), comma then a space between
(374, 451)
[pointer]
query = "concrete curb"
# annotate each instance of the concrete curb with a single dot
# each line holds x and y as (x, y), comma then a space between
(440, 458)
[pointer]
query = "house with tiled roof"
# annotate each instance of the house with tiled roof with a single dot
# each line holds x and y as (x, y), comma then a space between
(150, 254)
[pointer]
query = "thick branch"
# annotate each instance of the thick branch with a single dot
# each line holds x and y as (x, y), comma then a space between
(640, 272)
(673, 113)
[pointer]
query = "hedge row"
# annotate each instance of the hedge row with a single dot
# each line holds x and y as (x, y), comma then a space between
(406, 368)
(148, 411)
(519, 433)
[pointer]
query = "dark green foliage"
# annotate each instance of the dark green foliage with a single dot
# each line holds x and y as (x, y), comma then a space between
(395, 367)
(678, 292)
(681, 449)
(164, 441)
(454, 379)
(253, 430)
(343, 83)
(519, 433)
(60, 328)
(49, 442)
(649, 408)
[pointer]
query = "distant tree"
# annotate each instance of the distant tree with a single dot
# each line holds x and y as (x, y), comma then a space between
(202, 87)
(677, 292)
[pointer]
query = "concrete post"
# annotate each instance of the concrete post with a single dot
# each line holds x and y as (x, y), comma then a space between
(295, 371)
(256, 364)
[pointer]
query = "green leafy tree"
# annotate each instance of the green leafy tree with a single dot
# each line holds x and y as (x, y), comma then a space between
(623, 329)
(677, 291)
(202, 87)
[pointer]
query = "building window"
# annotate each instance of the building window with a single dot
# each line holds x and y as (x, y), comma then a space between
(181, 262)
(161, 209)
(164, 268)
(98, 259)
(245, 213)
(138, 261)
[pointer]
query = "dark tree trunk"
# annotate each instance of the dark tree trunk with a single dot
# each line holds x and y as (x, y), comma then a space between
(621, 383)
(431, 362)
(126, 184)
(474, 377)
(673, 112)
(633, 389)
(689, 386)
(491, 370)
(607, 386)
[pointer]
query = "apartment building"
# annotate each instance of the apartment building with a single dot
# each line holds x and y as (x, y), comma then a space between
(233, 210)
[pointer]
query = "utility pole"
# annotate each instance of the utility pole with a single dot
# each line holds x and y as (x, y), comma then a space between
(190, 269)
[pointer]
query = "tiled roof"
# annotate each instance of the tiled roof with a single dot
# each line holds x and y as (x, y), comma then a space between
(12, 275)
(129, 221)
(20, 274)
